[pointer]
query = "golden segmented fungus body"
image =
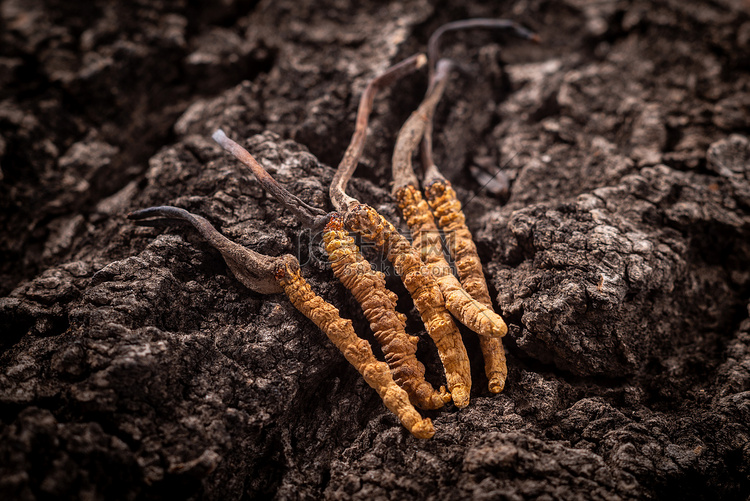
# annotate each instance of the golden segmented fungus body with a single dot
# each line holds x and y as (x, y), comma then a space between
(367, 285)
(447, 209)
(356, 350)
(427, 241)
(425, 292)
(445, 205)
(266, 274)
(379, 306)
(477, 316)
(423, 270)
(495, 366)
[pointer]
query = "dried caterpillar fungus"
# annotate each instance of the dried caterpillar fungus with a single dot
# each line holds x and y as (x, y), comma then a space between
(378, 304)
(477, 316)
(351, 269)
(356, 350)
(447, 209)
(400, 382)
(428, 243)
(266, 274)
(425, 292)
(449, 215)
(423, 289)
(367, 286)
(463, 251)
(438, 190)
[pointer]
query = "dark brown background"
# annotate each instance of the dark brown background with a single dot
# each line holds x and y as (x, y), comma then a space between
(134, 365)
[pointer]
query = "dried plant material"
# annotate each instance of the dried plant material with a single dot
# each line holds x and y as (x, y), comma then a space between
(427, 241)
(463, 251)
(365, 221)
(258, 272)
(433, 45)
(474, 313)
(349, 267)
(478, 316)
(495, 365)
(447, 209)
(414, 128)
(379, 306)
(356, 350)
(425, 292)
(439, 69)
(312, 217)
(341, 201)
(254, 270)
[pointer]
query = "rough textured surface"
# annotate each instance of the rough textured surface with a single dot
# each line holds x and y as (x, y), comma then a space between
(134, 366)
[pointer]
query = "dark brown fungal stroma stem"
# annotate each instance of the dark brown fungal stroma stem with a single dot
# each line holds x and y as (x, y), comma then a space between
(268, 275)
(440, 68)
(365, 221)
(433, 45)
(309, 216)
(341, 201)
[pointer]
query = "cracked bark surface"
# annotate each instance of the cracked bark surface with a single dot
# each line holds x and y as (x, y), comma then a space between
(134, 366)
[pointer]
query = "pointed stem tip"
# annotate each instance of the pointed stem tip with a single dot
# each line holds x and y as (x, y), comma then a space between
(219, 137)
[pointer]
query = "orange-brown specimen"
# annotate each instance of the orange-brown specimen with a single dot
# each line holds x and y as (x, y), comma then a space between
(270, 275)
(447, 209)
(356, 350)
(478, 316)
(379, 306)
(425, 292)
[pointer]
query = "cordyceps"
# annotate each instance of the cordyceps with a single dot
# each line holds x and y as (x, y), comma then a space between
(400, 382)
(478, 316)
(425, 292)
(268, 275)
(445, 205)
(367, 222)
(366, 284)
(379, 306)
